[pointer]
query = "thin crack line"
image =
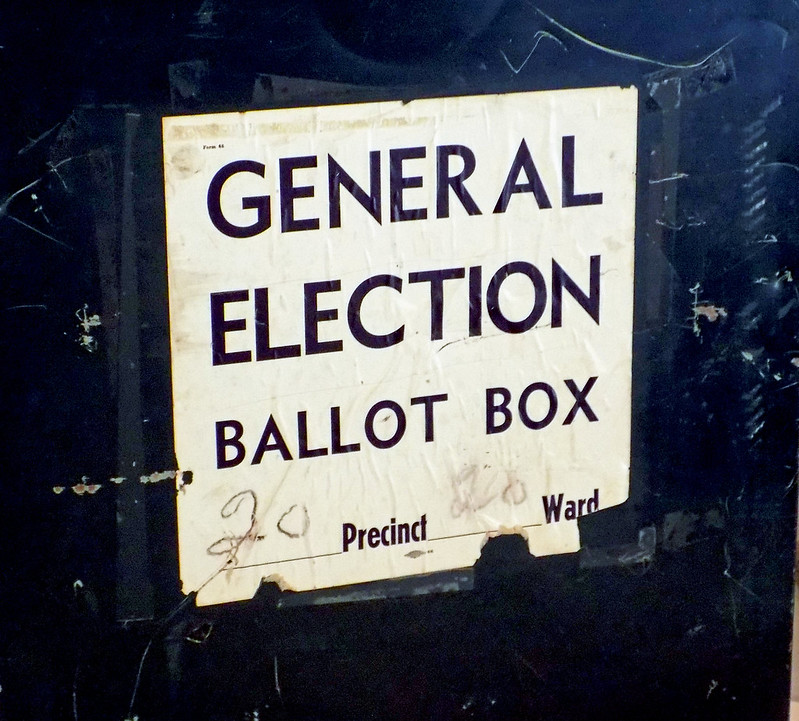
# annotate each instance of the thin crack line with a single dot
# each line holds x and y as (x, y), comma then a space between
(40, 232)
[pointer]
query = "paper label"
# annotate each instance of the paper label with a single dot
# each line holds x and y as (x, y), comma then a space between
(397, 329)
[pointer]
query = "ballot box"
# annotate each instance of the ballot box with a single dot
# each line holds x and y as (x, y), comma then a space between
(399, 360)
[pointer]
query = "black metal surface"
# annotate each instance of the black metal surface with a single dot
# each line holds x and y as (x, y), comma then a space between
(679, 606)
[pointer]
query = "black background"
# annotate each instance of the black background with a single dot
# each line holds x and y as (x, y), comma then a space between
(699, 629)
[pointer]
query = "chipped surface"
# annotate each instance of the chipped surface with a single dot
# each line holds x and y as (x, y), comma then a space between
(158, 476)
(703, 309)
(87, 323)
(711, 312)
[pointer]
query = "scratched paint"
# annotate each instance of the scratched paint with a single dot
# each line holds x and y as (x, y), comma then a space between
(683, 592)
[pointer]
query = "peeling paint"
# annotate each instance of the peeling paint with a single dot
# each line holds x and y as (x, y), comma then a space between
(703, 309)
(86, 323)
(711, 312)
(158, 476)
(84, 487)
(91, 488)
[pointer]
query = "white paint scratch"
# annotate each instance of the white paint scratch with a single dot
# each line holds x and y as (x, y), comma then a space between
(631, 56)
(538, 37)
(676, 176)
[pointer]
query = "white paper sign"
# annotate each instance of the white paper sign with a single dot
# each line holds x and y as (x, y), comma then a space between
(397, 330)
